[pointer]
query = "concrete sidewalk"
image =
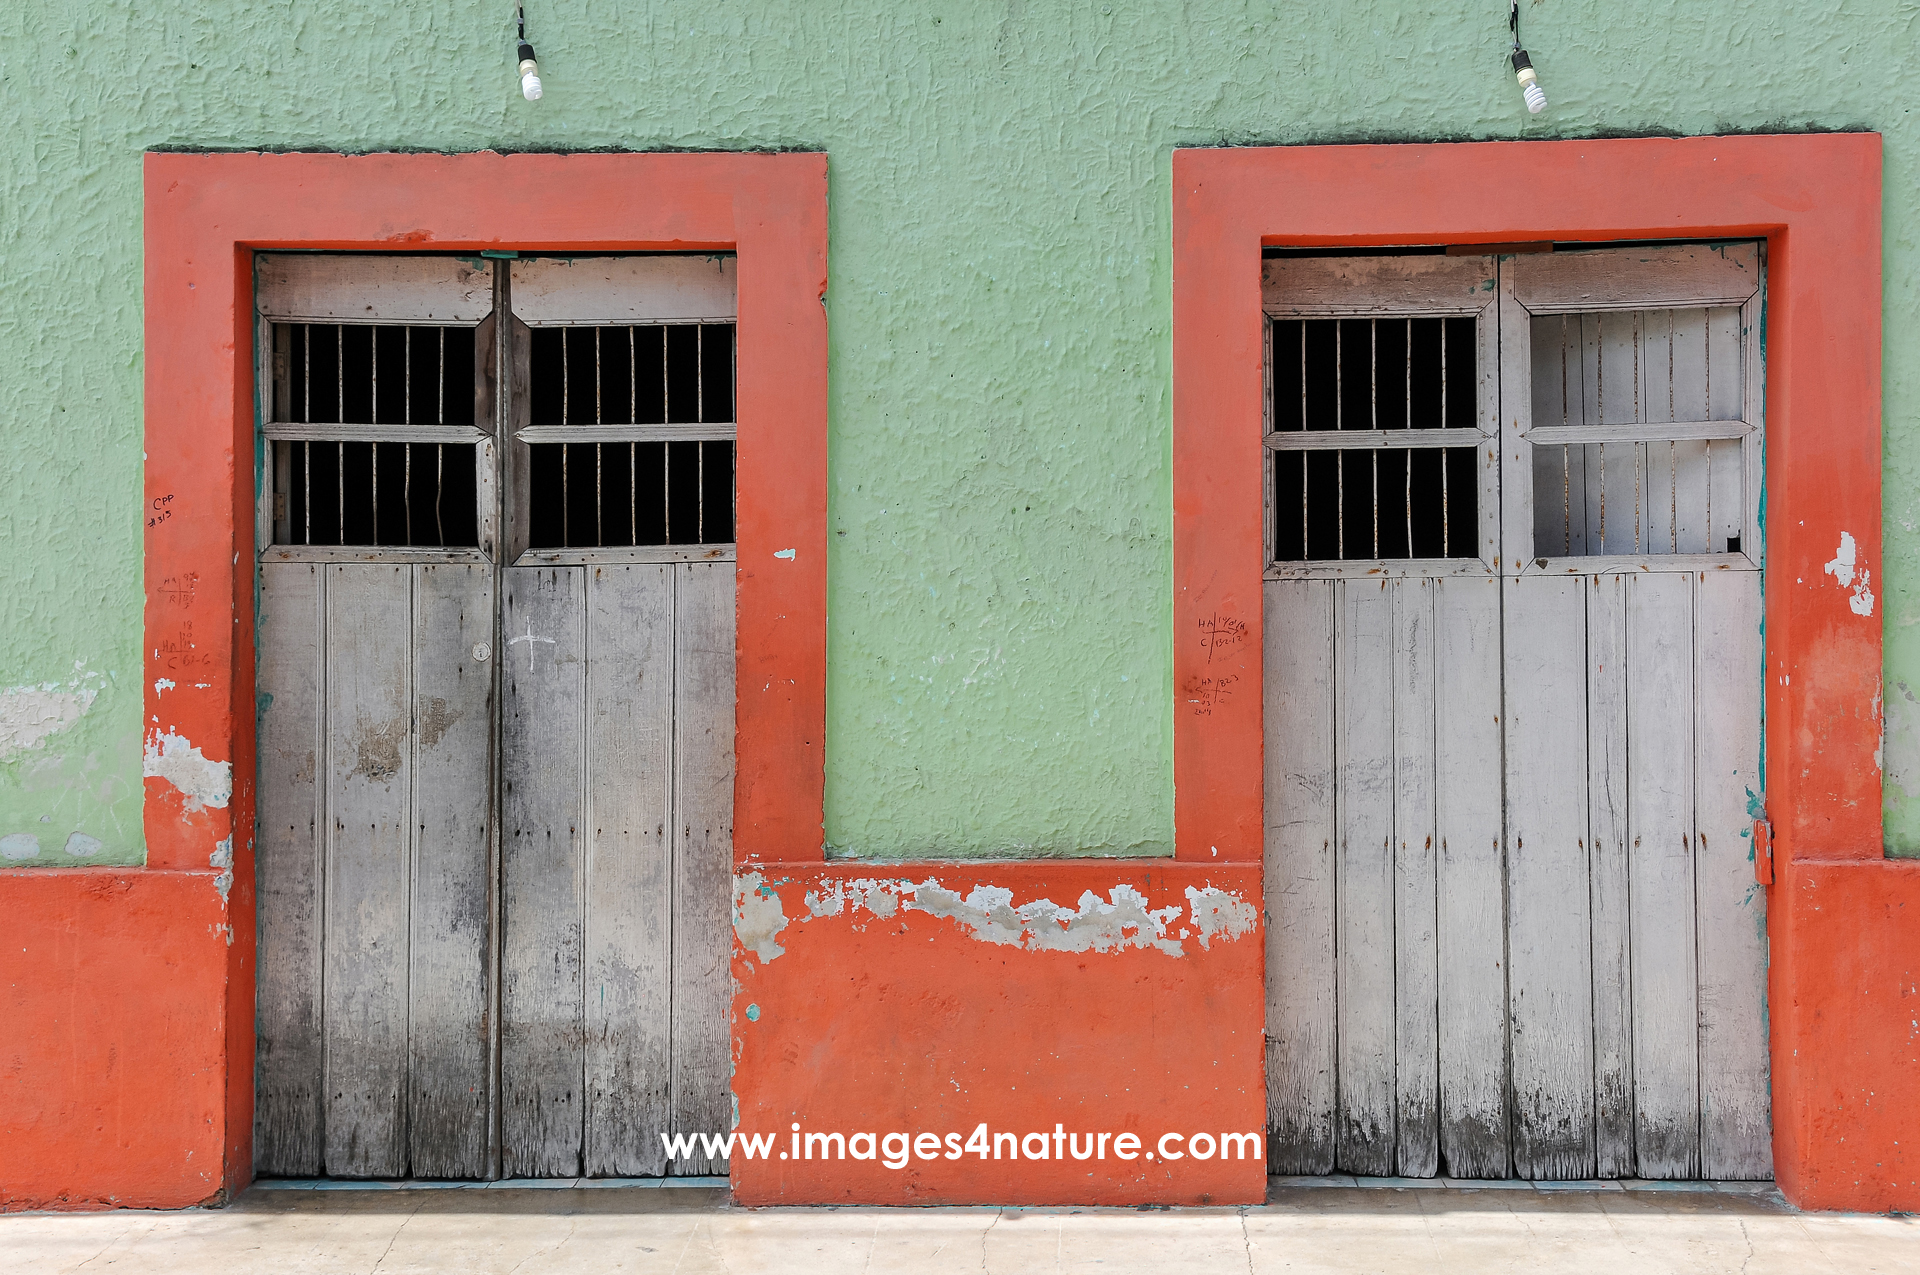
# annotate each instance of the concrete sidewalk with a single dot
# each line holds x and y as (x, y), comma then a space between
(1326, 1226)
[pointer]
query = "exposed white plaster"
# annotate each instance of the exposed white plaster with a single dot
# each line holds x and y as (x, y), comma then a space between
(1220, 913)
(1844, 568)
(30, 714)
(758, 916)
(20, 845)
(1121, 921)
(222, 858)
(163, 684)
(202, 782)
(81, 846)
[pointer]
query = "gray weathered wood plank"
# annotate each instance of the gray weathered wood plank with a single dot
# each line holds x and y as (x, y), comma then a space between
(1296, 287)
(1736, 1129)
(1607, 857)
(1687, 274)
(703, 731)
(374, 288)
(1299, 875)
(1471, 947)
(629, 929)
(1660, 784)
(1416, 964)
(1548, 931)
(555, 291)
(542, 763)
(369, 780)
(1364, 660)
(448, 983)
(289, 874)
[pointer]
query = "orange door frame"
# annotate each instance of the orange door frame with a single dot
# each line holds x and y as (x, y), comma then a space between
(1845, 1066)
(205, 217)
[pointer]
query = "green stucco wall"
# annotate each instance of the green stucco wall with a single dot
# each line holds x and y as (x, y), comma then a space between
(999, 301)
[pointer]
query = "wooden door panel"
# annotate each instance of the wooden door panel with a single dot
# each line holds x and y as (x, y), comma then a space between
(542, 798)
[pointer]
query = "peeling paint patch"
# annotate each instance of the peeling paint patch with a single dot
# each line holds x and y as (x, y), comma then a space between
(20, 845)
(1844, 568)
(29, 715)
(1219, 913)
(758, 917)
(81, 846)
(1121, 921)
(222, 858)
(174, 758)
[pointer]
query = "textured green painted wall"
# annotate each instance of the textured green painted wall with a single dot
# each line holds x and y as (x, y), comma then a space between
(999, 301)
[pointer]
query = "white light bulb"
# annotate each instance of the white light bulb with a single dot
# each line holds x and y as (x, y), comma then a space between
(529, 73)
(1529, 82)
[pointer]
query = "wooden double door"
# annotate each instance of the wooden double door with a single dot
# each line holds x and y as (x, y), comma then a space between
(495, 771)
(1512, 713)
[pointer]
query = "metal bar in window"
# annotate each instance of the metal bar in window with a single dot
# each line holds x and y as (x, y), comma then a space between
(1303, 429)
(1407, 455)
(406, 449)
(1446, 474)
(1339, 424)
(633, 489)
(1373, 408)
(1706, 363)
(700, 498)
(439, 485)
(306, 414)
(599, 531)
(663, 374)
(340, 415)
(699, 372)
(633, 381)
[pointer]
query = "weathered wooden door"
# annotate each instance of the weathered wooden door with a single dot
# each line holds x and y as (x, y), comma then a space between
(1513, 715)
(496, 723)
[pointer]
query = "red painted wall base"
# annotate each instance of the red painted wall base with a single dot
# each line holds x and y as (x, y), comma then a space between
(113, 1049)
(1844, 1006)
(928, 999)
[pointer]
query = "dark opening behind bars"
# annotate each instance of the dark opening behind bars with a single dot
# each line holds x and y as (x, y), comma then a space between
(661, 374)
(615, 493)
(590, 495)
(375, 374)
(1386, 374)
(409, 494)
(368, 492)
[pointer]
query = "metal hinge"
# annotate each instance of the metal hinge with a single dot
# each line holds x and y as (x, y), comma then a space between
(279, 506)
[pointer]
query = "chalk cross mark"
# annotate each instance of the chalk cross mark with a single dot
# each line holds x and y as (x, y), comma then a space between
(529, 637)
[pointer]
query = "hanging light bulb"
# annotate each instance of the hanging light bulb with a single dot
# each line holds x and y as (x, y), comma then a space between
(1523, 66)
(529, 69)
(1529, 82)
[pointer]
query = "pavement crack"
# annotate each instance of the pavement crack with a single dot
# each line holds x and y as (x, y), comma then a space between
(1246, 1240)
(997, 1215)
(395, 1238)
